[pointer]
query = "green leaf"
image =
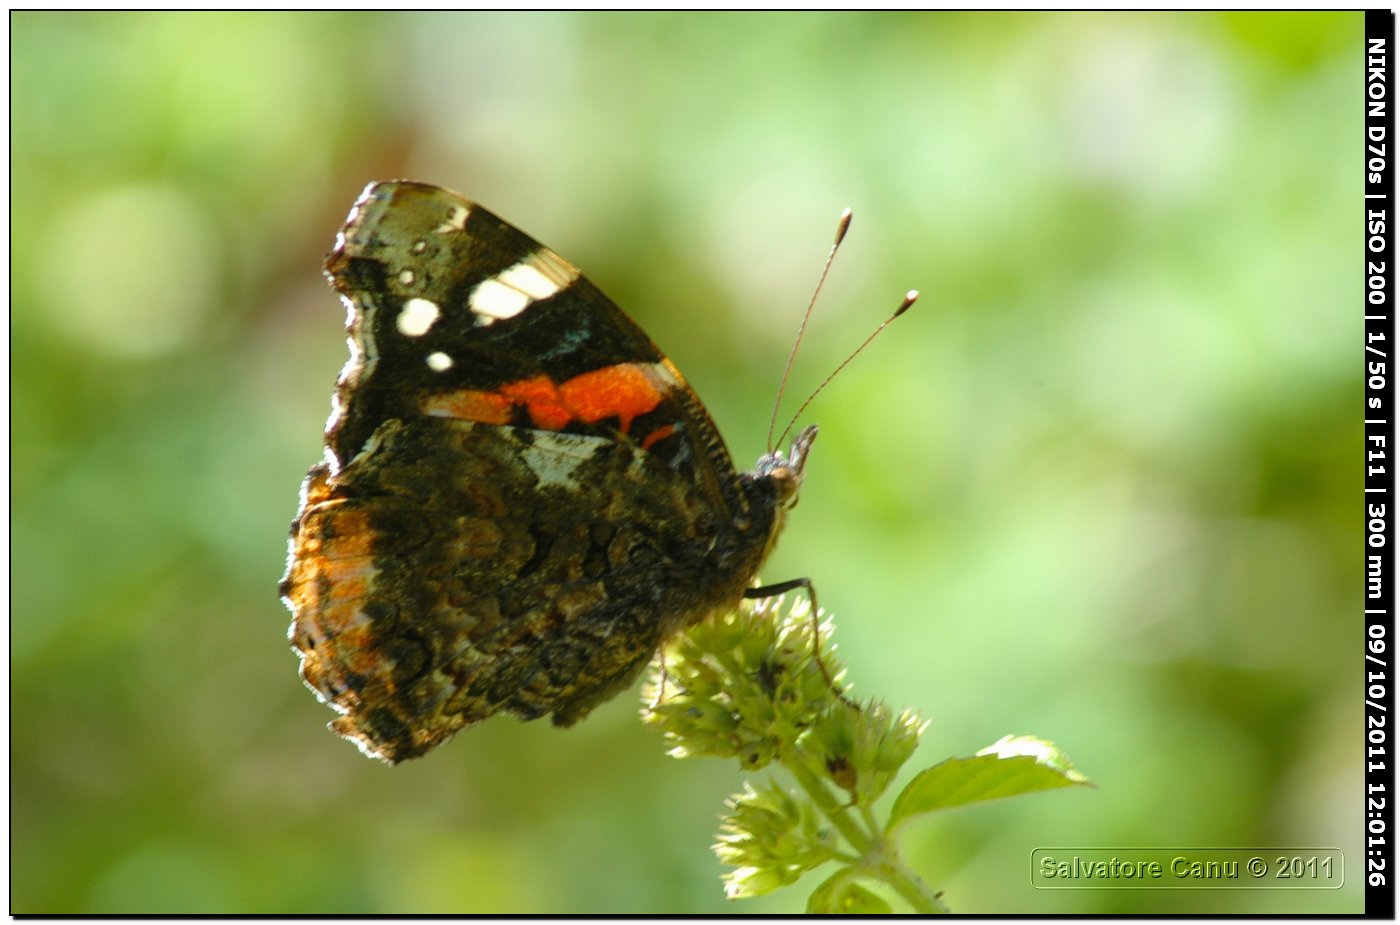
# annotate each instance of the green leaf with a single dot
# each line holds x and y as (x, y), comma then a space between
(839, 895)
(1016, 765)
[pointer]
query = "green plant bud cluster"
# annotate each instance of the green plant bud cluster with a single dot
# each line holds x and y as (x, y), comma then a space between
(770, 838)
(742, 683)
(861, 751)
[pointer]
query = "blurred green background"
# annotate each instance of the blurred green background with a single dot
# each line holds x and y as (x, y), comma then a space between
(1100, 486)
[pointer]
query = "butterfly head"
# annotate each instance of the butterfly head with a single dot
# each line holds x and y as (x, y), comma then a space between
(784, 473)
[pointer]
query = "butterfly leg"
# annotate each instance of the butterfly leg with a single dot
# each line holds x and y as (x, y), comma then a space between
(783, 587)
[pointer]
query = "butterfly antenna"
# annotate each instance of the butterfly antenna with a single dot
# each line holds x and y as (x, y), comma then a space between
(842, 225)
(909, 299)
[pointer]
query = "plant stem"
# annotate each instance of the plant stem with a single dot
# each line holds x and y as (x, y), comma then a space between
(879, 860)
(907, 884)
(839, 815)
(868, 815)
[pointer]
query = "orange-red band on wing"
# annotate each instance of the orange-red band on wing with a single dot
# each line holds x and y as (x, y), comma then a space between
(469, 405)
(661, 433)
(624, 391)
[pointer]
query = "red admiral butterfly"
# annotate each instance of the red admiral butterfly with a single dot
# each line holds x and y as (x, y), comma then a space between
(521, 498)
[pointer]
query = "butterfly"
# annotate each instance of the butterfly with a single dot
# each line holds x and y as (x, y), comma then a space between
(521, 499)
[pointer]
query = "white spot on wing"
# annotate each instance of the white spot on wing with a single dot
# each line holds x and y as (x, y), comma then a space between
(493, 300)
(457, 222)
(416, 317)
(508, 293)
(439, 362)
(529, 280)
(552, 468)
(667, 373)
(554, 458)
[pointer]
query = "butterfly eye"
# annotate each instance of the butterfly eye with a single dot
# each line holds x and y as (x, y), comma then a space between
(785, 481)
